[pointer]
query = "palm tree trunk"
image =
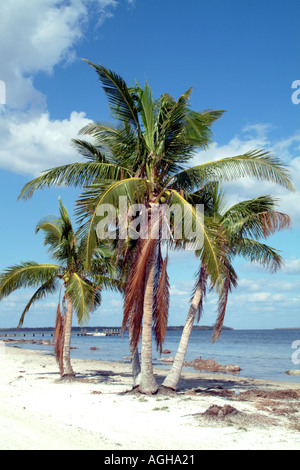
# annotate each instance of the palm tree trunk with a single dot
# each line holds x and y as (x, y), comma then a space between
(136, 368)
(68, 370)
(172, 379)
(148, 383)
(135, 363)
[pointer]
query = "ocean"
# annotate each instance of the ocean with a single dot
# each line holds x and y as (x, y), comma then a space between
(261, 354)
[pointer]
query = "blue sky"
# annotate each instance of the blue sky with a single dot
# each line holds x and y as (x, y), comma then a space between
(241, 56)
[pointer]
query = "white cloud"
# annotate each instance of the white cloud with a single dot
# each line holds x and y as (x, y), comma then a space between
(175, 291)
(256, 137)
(35, 145)
(292, 266)
(269, 283)
(256, 297)
(37, 35)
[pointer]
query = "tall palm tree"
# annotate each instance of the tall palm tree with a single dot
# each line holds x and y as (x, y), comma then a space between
(255, 218)
(82, 290)
(144, 156)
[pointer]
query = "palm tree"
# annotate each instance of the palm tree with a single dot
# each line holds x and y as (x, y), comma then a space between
(82, 290)
(253, 218)
(144, 156)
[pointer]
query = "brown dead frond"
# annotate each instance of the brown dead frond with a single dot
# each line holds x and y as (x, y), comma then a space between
(161, 304)
(202, 285)
(59, 338)
(272, 221)
(135, 289)
(229, 282)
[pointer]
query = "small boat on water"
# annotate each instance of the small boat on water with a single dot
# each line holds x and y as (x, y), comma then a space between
(95, 334)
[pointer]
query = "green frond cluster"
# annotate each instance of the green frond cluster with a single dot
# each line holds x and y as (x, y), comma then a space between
(83, 287)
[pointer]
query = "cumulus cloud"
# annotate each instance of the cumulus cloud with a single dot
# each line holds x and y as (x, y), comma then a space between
(35, 36)
(175, 291)
(292, 266)
(257, 136)
(32, 146)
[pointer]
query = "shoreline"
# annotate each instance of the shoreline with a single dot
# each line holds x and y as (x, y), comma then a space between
(99, 411)
(209, 365)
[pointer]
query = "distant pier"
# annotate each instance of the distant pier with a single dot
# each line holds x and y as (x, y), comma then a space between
(82, 332)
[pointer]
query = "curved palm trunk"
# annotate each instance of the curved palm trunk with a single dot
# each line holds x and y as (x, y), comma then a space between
(173, 376)
(148, 383)
(67, 368)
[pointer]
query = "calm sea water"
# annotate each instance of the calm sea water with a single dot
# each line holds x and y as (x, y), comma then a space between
(263, 354)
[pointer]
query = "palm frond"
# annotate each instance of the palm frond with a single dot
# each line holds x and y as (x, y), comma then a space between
(59, 337)
(49, 287)
(106, 282)
(161, 305)
(255, 218)
(132, 188)
(52, 228)
(229, 282)
(121, 102)
(146, 112)
(135, 289)
(118, 141)
(209, 241)
(90, 151)
(28, 274)
(170, 126)
(258, 164)
(198, 127)
(260, 253)
(83, 297)
(74, 174)
(201, 284)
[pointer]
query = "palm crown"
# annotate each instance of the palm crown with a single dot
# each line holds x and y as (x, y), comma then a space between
(244, 224)
(82, 289)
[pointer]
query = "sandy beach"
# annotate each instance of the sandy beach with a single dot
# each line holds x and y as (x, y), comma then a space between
(98, 411)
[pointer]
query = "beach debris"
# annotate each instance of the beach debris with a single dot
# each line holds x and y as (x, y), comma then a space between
(293, 372)
(220, 411)
(288, 394)
(211, 365)
(166, 359)
(248, 395)
(215, 391)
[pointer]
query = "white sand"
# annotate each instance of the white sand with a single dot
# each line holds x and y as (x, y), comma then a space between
(38, 412)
